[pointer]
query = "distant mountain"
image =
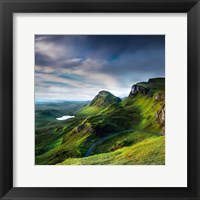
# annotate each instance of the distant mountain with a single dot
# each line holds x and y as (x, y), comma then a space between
(104, 98)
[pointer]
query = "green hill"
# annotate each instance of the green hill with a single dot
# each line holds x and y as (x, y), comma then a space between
(102, 100)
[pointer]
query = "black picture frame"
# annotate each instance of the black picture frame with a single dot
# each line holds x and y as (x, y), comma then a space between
(8, 7)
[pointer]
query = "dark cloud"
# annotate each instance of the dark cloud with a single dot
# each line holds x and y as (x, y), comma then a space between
(122, 44)
(114, 43)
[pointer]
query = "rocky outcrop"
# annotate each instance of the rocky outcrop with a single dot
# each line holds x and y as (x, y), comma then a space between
(159, 96)
(84, 128)
(160, 117)
(138, 89)
(148, 88)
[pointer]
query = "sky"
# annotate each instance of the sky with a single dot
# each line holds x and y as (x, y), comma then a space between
(77, 67)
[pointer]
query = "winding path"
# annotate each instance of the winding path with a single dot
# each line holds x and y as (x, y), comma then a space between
(100, 141)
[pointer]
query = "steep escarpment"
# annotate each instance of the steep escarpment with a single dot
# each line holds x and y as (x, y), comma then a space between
(138, 88)
(149, 98)
(160, 117)
(160, 114)
(148, 88)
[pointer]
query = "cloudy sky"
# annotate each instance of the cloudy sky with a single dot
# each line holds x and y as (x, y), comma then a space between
(77, 67)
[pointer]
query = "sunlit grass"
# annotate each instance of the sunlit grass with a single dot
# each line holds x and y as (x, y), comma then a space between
(148, 152)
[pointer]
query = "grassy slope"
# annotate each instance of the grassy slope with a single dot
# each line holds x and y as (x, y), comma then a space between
(54, 147)
(51, 136)
(146, 152)
(73, 148)
(89, 110)
(126, 139)
(148, 109)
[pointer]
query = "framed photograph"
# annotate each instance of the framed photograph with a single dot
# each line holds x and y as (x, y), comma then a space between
(99, 99)
(102, 114)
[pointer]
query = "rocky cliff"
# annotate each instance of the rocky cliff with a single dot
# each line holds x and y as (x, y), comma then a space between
(160, 117)
(135, 89)
(152, 91)
(160, 114)
(148, 88)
